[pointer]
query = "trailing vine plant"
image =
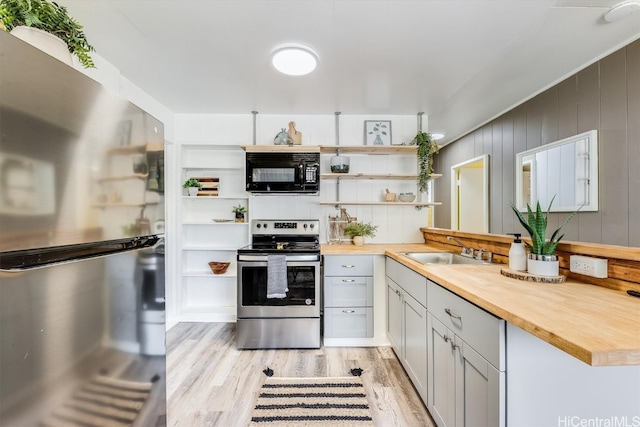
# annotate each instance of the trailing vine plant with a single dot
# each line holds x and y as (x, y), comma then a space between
(427, 147)
(49, 17)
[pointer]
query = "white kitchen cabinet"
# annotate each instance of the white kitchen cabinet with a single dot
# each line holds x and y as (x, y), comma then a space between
(442, 376)
(414, 339)
(209, 233)
(407, 321)
(547, 386)
(394, 316)
(348, 296)
(465, 388)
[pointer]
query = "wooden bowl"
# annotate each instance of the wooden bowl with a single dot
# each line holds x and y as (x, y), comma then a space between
(219, 267)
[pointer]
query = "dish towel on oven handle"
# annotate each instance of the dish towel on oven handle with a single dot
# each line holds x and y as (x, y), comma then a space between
(277, 276)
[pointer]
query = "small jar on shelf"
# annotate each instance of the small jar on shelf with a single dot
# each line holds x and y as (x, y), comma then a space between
(339, 164)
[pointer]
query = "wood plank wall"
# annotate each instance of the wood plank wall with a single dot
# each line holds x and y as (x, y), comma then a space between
(623, 262)
(604, 96)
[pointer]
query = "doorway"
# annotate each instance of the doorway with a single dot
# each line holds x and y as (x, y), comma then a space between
(470, 195)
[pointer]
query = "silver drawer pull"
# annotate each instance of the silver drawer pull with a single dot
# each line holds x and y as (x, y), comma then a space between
(348, 311)
(347, 266)
(348, 280)
(448, 311)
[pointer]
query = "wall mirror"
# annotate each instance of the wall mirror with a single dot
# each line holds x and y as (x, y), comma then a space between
(565, 169)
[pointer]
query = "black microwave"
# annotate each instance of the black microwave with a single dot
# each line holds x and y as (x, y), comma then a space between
(283, 172)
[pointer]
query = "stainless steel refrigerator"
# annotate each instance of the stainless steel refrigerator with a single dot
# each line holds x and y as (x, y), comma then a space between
(81, 249)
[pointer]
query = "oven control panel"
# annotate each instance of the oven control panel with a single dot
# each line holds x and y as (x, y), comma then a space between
(298, 226)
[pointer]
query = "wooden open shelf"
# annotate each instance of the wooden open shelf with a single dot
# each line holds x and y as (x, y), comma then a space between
(281, 148)
(369, 149)
(373, 176)
(417, 204)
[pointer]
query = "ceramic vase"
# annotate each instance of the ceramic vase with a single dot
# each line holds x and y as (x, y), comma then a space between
(44, 41)
(358, 240)
(193, 191)
(543, 265)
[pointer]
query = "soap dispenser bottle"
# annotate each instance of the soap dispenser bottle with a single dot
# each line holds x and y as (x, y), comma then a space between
(517, 254)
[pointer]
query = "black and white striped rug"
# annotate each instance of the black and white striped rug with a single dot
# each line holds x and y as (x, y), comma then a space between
(102, 402)
(312, 402)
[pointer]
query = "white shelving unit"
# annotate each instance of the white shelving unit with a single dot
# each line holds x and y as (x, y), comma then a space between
(408, 151)
(210, 233)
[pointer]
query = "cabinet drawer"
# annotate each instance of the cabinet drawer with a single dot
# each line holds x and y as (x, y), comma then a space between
(348, 291)
(481, 330)
(409, 280)
(348, 265)
(348, 322)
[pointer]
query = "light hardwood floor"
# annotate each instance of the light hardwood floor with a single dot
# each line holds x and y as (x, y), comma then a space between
(211, 383)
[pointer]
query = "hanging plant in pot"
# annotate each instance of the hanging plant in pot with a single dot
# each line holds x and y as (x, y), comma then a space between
(427, 147)
(21, 17)
(359, 230)
(542, 260)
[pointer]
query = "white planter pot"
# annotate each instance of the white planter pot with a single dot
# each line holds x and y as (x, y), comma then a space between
(193, 191)
(358, 240)
(549, 266)
(44, 41)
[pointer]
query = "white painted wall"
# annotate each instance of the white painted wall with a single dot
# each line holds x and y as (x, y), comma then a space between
(396, 224)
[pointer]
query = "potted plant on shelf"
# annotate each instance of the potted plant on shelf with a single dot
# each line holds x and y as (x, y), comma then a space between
(541, 260)
(47, 17)
(239, 212)
(359, 230)
(193, 186)
(427, 147)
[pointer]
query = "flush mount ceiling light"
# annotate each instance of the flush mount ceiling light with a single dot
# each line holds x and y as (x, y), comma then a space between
(622, 10)
(437, 135)
(294, 59)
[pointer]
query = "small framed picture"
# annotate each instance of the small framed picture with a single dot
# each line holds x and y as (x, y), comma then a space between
(377, 132)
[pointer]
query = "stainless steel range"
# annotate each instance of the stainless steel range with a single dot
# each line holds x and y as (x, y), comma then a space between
(279, 286)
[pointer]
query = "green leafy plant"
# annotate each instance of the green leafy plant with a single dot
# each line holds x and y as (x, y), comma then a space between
(427, 147)
(536, 224)
(360, 229)
(378, 128)
(49, 17)
(239, 209)
(192, 182)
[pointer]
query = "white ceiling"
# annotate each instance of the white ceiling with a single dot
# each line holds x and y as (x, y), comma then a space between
(461, 62)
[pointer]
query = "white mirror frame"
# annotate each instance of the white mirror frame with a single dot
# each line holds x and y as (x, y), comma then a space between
(579, 172)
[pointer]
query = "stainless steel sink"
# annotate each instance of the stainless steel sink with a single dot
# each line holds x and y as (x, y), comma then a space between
(442, 258)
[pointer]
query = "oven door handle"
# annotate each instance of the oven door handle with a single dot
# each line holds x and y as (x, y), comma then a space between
(290, 258)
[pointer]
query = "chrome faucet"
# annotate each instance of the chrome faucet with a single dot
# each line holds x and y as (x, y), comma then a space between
(480, 255)
(468, 252)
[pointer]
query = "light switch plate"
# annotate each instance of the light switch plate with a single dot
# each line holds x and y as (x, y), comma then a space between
(594, 267)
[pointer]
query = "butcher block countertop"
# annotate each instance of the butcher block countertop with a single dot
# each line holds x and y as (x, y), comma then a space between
(597, 325)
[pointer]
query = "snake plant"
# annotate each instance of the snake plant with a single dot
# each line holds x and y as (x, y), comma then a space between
(536, 224)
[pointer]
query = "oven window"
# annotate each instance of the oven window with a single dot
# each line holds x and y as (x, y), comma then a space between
(274, 174)
(301, 283)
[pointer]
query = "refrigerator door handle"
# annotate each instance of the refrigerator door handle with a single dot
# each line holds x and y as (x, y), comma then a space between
(30, 259)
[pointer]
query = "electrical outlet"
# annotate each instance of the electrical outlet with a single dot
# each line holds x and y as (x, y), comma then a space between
(595, 267)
